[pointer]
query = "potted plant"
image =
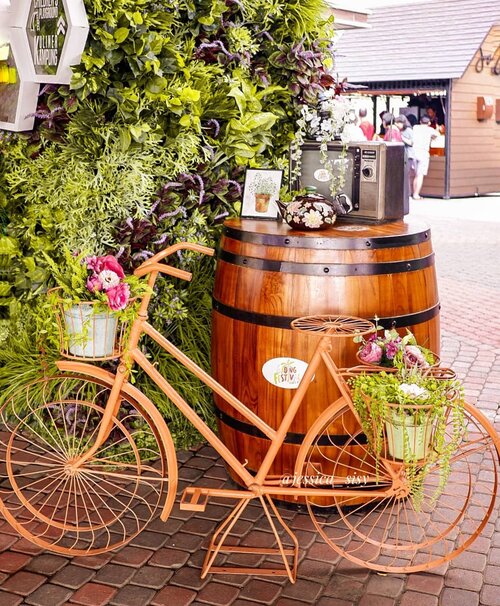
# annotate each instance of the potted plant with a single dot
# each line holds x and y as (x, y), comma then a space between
(406, 416)
(95, 302)
(264, 188)
(388, 349)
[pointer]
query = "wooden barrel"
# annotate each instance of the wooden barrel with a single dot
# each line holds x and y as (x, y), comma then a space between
(268, 274)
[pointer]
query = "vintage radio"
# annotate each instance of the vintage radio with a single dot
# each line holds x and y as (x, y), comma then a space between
(376, 177)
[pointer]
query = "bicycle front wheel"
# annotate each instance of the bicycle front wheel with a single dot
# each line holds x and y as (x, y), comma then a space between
(70, 509)
(391, 534)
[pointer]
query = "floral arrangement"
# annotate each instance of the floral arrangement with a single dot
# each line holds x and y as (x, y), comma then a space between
(264, 185)
(108, 277)
(391, 350)
(95, 278)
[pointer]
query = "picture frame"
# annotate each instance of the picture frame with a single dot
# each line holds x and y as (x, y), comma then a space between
(260, 192)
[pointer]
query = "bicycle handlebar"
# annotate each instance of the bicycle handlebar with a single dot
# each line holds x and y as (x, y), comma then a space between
(154, 264)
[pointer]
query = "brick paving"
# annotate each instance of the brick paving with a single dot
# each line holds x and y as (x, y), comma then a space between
(161, 567)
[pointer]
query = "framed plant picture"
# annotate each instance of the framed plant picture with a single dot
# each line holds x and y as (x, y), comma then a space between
(261, 190)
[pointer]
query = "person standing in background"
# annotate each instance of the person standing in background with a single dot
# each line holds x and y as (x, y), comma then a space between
(423, 134)
(352, 130)
(406, 131)
(433, 117)
(392, 132)
(365, 125)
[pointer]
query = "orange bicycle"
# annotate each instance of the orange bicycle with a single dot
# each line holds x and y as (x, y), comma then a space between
(88, 461)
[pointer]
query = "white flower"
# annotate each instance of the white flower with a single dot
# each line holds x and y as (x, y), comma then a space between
(414, 391)
(313, 219)
(109, 279)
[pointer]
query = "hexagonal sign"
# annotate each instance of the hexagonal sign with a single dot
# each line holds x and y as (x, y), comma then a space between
(39, 42)
(52, 34)
(18, 98)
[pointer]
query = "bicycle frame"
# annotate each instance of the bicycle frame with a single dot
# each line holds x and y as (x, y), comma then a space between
(255, 484)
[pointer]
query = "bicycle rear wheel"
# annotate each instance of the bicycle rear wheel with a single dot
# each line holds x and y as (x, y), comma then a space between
(84, 510)
(390, 534)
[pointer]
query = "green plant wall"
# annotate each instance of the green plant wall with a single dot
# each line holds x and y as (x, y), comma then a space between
(146, 147)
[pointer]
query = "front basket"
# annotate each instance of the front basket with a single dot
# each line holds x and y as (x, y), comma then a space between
(87, 332)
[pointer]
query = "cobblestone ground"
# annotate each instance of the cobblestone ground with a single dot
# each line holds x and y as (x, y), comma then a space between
(161, 567)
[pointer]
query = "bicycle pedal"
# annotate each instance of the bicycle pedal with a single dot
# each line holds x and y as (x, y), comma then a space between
(194, 499)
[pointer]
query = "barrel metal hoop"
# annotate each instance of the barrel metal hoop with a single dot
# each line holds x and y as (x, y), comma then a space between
(324, 243)
(291, 437)
(328, 269)
(284, 322)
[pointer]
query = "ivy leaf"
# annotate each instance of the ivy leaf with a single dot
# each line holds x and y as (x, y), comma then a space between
(121, 34)
(137, 17)
(190, 95)
(156, 85)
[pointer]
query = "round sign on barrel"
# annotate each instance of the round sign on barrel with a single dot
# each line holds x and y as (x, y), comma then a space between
(267, 275)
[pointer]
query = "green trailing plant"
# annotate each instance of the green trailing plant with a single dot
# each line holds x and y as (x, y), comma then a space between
(388, 403)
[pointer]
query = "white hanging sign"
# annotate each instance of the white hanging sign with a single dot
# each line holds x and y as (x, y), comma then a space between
(39, 42)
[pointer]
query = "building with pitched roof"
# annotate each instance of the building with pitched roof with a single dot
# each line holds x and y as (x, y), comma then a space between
(445, 54)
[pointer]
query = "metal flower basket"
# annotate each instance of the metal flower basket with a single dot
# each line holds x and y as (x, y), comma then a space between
(88, 332)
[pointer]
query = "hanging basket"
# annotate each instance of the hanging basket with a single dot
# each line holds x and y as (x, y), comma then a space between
(403, 433)
(88, 332)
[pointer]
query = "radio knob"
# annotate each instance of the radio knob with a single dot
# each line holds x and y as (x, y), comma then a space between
(367, 172)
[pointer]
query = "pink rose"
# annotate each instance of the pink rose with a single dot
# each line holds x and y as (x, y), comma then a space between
(110, 263)
(371, 353)
(118, 296)
(94, 284)
(413, 356)
(98, 264)
(91, 263)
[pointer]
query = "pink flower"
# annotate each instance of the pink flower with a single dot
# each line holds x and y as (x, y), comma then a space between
(371, 353)
(118, 296)
(109, 279)
(413, 356)
(94, 284)
(98, 264)
(392, 348)
(109, 262)
(91, 263)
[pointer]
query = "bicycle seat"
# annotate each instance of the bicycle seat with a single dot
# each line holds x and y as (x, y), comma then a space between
(333, 325)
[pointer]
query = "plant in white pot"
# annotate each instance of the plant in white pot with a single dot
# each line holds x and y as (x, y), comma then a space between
(95, 302)
(413, 418)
